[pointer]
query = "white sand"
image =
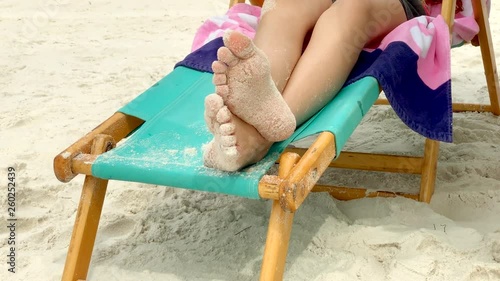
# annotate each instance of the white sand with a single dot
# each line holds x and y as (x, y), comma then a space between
(61, 78)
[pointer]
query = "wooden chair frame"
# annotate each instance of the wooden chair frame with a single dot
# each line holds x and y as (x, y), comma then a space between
(299, 170)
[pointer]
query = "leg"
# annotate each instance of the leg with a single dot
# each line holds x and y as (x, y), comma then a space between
(243, 75)
(488, 55)
(278, 236)
(84, 232)
(87, 220)
(428, 174)
(337, 40)
(251, 78)
(279, 230)
(280, 35)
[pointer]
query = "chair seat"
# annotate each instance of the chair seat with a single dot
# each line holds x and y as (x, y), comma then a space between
(167, 148)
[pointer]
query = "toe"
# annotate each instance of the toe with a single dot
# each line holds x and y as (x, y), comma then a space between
(219, 67)
(220, 157)
(226, 56)
(209, 155)
(224, 115)
(239, 44)
(213, 103)
(222, 91)
(219, 79)
(227, 129)
(228, 141)
(232, 152)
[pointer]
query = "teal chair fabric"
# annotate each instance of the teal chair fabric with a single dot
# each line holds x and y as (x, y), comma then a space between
(167, 148)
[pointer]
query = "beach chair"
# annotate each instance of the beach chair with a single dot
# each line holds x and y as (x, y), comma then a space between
(163, 144)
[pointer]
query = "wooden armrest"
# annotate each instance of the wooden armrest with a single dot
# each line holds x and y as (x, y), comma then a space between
(118, 126)
(293, 190)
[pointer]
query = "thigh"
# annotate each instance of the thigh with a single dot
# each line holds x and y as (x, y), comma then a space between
(373, 18)
(305, 11)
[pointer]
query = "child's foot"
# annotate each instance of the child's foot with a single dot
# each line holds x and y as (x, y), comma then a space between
(213, 103)
(242, 77)
(236, 144)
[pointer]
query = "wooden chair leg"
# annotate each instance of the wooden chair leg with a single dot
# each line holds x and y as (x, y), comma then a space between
(279, 230)
(234, 2)
(257, 2)
(87, 220)
(487, 53)
(278, 236)
(429, 166)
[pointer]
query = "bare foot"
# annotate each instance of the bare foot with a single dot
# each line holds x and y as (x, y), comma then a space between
(236, 144)
(242, 77)
(213, 103)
